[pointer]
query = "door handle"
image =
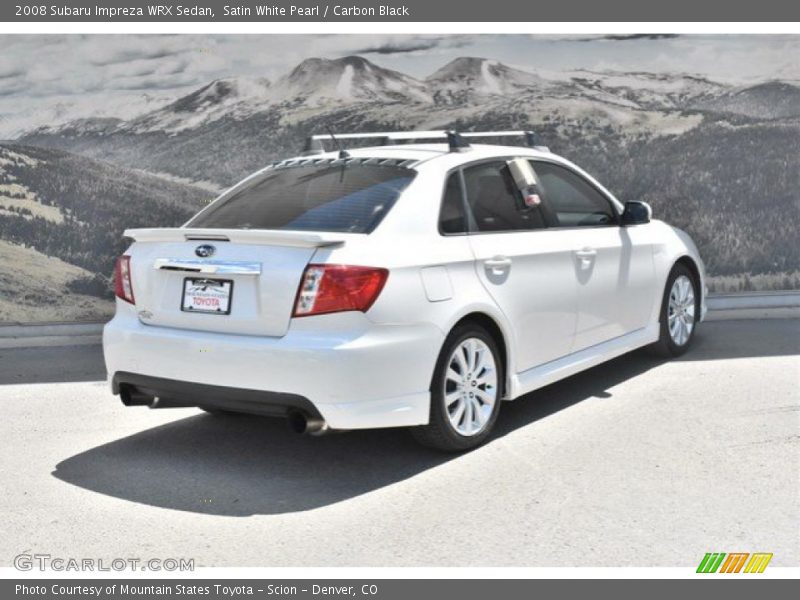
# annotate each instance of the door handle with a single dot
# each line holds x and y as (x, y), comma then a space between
(497, 263)
(586, 257)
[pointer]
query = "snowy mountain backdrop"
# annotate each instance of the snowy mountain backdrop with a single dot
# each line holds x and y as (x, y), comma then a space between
(719, 160)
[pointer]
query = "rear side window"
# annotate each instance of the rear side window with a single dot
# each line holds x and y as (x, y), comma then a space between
(496, 202)
(339, 198)
(575, 202)
(452, 218)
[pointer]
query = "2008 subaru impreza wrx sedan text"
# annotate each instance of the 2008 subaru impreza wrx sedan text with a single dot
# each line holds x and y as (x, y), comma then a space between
(409, 284)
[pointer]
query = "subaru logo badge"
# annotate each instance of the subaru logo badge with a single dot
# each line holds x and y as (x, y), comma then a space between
(205, 250)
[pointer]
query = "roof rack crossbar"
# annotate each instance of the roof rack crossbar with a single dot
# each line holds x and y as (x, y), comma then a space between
(457, 140)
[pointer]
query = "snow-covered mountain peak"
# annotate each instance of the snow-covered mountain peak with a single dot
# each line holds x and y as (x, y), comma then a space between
(222, 91)
(235, 97)
(349, 79)
(473, 77)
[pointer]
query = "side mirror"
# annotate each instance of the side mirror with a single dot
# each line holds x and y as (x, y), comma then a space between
(636, 213)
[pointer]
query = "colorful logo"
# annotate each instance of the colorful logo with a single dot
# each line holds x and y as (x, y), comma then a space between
(719, 562)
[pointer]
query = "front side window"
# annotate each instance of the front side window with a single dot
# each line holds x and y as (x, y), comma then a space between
(573, 200)
(496, 202)
(347, 198)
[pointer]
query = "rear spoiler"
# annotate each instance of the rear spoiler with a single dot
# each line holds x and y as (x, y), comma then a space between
(269, 237)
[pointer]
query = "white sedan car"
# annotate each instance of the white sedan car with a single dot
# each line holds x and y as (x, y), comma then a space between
(399, 285)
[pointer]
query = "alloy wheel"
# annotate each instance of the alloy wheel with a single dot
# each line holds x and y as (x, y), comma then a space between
(470, 387)
(681, 310)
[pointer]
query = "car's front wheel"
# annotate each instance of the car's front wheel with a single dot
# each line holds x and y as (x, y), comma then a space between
(465, 391)
(679, 313)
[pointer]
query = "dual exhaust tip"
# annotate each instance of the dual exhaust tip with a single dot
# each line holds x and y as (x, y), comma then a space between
(299, 422)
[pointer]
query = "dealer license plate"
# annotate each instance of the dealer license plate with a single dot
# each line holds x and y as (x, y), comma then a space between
(207, 296)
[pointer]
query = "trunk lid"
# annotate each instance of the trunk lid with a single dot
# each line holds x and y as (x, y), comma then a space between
(257, 273)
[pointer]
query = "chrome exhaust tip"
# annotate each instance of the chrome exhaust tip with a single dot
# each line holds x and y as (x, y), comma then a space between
(300, 423)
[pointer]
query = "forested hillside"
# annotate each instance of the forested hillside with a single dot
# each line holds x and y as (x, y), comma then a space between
(75, 208)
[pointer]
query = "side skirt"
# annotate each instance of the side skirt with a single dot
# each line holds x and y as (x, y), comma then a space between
(558, 369)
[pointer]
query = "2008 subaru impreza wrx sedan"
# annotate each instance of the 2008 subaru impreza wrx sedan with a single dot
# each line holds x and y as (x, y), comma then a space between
(402, 284)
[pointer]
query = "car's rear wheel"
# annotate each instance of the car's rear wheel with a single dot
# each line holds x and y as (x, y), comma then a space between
(465, 391)
(679, 313)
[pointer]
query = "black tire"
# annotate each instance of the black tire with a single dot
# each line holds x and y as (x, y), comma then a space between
(666, 347)
(439, 433)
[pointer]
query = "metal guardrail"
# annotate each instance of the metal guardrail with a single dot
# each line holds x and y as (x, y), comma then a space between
(28, 335)
(16, 330)
(747, 300)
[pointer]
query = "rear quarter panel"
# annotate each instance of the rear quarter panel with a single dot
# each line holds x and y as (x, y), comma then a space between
(409, 244)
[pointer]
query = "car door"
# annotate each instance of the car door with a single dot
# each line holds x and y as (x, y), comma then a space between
(612, 265)
(526, 268)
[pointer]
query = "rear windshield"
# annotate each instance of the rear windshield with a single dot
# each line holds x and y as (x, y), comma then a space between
(351, 198)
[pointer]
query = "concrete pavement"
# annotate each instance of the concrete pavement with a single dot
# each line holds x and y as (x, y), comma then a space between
(636, 462)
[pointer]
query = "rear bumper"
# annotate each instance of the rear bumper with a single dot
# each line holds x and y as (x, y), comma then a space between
(138, 389)
(351, 372)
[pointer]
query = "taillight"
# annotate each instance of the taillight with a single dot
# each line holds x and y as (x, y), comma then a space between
(123, 288)
(336, 288)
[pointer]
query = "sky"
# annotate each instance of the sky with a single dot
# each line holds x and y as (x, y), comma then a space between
(47, 79)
